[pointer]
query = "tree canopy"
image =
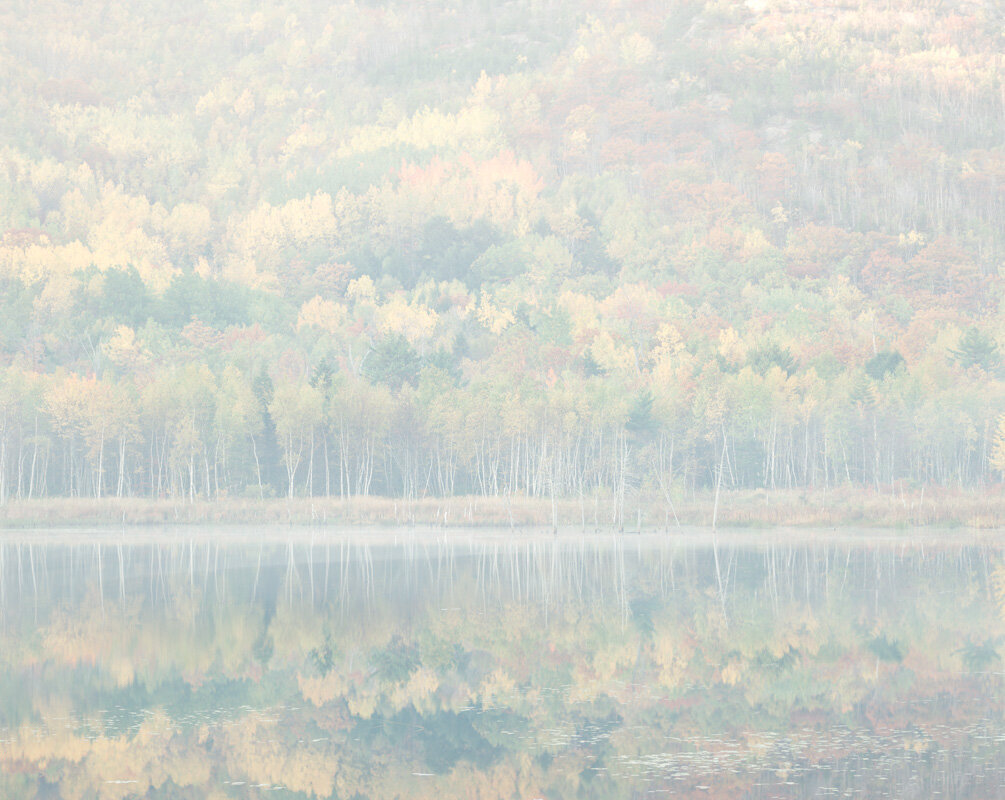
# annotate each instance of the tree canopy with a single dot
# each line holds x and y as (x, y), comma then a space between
(532, 248)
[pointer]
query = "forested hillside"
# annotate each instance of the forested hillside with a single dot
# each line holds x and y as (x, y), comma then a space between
(533, 247)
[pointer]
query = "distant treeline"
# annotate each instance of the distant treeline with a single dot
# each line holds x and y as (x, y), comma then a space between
(408, 427)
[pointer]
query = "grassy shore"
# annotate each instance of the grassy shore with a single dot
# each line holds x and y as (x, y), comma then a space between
(834, 508)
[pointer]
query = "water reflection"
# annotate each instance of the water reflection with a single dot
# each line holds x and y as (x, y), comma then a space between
(475, 667)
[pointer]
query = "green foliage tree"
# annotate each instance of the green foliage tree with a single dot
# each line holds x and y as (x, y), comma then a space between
(884, 363)
(977, 349)
(393, 362)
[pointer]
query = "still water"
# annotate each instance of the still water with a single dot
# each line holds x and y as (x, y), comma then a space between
(415, 665)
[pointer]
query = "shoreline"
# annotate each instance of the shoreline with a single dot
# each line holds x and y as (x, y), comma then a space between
(737, 509)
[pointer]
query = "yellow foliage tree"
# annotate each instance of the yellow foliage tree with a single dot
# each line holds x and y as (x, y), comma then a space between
(324, 315)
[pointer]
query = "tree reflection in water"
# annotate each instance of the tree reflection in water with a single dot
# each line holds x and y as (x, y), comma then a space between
(421, 667)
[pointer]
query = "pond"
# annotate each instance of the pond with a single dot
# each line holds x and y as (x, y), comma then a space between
(449, 664)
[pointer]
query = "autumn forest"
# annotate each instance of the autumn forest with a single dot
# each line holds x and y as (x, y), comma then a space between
(608, 249)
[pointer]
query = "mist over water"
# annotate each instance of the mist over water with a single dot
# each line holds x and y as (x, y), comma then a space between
(415, 665)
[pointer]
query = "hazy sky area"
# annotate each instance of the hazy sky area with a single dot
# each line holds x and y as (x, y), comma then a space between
(626, 251)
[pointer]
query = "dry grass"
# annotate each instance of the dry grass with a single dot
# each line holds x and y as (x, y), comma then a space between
(840, 507)
(854, 506)
(453, 511)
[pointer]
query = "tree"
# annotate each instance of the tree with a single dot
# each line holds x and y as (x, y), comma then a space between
(361, 414)
(998, 447)
(763, 358)
(393, 362)
(977, 349)
(296, 410)
(66, 403)
(237, 420)
(883, 363)
(641, 422)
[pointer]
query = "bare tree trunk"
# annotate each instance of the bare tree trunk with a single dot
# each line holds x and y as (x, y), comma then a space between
(328, 477)
(3, 459)
(122, 467)
(34, 460)
(310, 468)
(258, 468)
(718, 481)
(99, 478)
